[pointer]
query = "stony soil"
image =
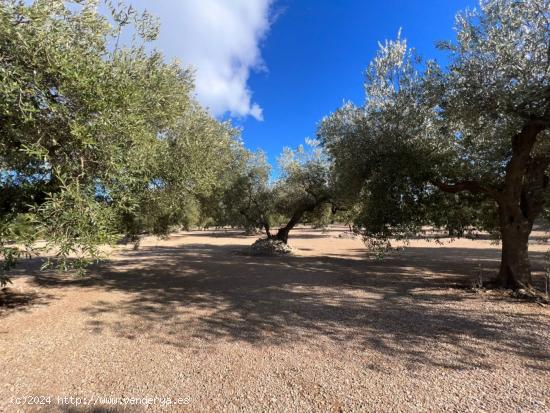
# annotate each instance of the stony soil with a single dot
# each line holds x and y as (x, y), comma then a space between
(326, 329)
(270, 248)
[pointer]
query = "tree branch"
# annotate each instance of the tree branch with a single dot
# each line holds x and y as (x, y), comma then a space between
(474, 187)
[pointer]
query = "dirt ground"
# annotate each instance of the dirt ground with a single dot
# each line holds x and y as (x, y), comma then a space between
(195, 322)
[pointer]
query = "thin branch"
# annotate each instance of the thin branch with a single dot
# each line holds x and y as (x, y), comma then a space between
(474, 187)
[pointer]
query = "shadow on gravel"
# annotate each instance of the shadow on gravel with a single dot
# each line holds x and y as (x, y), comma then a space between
(201, 294)
(13, 300)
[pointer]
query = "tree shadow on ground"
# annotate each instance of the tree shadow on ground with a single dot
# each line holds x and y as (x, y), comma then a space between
(13, 300)
(198, 295)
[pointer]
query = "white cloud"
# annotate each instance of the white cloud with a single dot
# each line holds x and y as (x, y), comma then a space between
(221, 40)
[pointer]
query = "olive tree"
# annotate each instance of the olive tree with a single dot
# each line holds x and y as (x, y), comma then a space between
(97, 137)
(304, 186)
(302, 191)
(247, 200)
(187, 171)
(467, 143)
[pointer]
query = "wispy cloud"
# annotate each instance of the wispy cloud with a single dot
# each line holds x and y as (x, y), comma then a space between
(221, 39)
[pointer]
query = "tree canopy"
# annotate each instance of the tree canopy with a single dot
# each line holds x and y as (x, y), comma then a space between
(299, 194)
(463, 146)
(98, 137)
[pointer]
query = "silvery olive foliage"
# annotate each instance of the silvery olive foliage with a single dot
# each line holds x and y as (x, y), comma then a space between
(305, 177)
(463, 146)
(304, 188)
(301, 192)
(99, 137)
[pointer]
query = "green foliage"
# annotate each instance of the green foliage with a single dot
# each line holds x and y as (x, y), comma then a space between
(321, 217)
(304, 189)
(249, 198)
(13, 228)
(74, 224)
(252, 201)
(98, 138)
(305, 179)
(424, 129)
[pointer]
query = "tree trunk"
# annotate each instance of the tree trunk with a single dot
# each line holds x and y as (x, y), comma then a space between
(282, 233)
(456, 233)
(267, 229)
(515, 269)
(520, 203)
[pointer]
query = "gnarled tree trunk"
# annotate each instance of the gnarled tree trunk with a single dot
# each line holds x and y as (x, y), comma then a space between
(282, 233)
(515, 268)
(520, 202)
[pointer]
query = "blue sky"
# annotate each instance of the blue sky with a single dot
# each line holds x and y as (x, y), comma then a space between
(277, 67)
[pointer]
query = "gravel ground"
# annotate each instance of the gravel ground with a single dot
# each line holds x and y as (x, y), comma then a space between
(193, 319)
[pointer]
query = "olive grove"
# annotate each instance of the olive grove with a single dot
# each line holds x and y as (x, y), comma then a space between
(101, 139)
